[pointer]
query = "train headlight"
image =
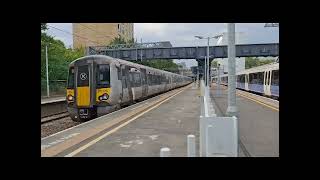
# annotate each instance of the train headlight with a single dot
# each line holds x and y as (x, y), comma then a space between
(70, 98)
(104, 97)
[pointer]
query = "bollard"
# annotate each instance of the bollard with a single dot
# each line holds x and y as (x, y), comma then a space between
(165, 152)
(191, 143)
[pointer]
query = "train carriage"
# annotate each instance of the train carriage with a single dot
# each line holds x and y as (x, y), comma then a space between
(262, 80)
(100, 84)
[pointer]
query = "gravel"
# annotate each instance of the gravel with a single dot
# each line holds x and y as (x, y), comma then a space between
(56, 126)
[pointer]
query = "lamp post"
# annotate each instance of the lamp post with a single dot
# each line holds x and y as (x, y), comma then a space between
(207, 60)
(141, 50)
(47, 71)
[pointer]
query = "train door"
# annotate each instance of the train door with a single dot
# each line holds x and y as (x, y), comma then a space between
(266, 84)
(246, 86)
(130, 82)
(120, 87)
(83, 86)
(267, 90)
(125, 94)
(144, 84)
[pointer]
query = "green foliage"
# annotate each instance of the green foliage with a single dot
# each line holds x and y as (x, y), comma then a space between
(163, 64)
(214, 64)
(44, 26)
(254, 62)
(59, 57)
(121, 40)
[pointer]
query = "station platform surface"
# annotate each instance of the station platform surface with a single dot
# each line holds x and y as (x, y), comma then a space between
(166, 125)
(258, 121)
(52, 99)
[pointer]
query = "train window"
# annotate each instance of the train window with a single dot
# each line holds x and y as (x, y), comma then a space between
(71, 78)
(242, 78)
(259, 78)
(149, 79)
(83, 76)
(275, 78)
(119, 73)
(103, 76)
(256, 78)
(270, 77)
(137, 79)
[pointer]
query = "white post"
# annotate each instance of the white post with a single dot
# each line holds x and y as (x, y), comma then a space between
(232, 107)
(47, 71)
(191, 143)
(208, 62)
(218, 88)
(136, 51)
(141, 50)
(205, 71)
(165, 152)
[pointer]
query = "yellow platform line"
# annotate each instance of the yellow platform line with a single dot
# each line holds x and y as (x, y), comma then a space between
(259, 102)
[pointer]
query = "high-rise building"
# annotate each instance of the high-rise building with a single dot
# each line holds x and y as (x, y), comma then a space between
(99, 34)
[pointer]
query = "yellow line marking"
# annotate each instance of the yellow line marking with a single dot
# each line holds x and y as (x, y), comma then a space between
(115, 129)
(259, 102)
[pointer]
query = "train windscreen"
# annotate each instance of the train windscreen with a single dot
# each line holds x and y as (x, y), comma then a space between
(103, 76)
(71, 78)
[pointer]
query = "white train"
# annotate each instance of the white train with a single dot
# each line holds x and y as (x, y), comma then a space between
(101, 84)
(263, 80)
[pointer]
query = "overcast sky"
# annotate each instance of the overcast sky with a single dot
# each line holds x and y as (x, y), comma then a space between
(182, 34)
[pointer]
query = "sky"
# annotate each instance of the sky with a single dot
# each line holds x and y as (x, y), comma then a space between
(182, 34)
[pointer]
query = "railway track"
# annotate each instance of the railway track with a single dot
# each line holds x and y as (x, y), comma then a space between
(54, 117)
(56, 123)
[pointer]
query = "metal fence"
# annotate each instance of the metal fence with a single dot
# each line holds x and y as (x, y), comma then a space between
(56, 88)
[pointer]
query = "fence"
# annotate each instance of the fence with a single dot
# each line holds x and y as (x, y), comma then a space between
(56, 88)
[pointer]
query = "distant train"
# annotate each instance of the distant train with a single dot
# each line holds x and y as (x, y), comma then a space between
(100, 84)
(263, 80)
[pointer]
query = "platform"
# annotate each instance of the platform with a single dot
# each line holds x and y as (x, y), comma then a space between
(52, 99)
(165, 125)
(258, 121)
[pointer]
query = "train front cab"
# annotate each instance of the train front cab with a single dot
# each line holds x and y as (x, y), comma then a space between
(88, 89)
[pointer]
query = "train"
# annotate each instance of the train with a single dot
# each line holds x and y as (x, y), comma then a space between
(98, 85)
(262, 80)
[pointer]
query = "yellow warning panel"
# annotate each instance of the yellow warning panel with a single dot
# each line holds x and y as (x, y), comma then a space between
(83, 96)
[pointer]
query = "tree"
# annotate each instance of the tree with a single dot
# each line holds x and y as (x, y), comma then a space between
(59, 58)
(214, 64)
(44, 26)
(163, 64)
(118, 40)
(254, 62)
